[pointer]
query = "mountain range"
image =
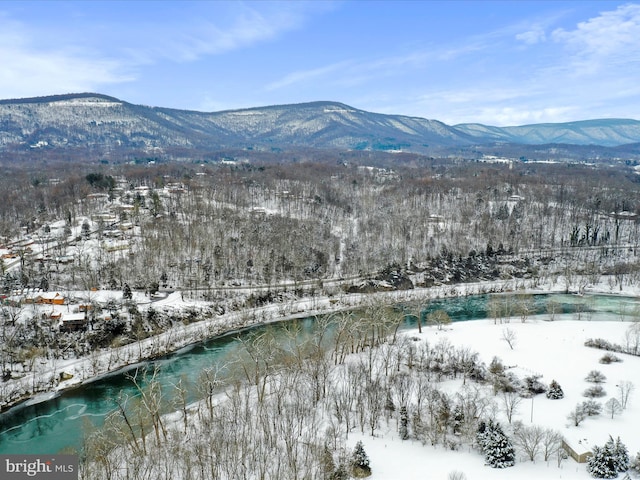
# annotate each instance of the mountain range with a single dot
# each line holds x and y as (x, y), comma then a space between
(106, 124)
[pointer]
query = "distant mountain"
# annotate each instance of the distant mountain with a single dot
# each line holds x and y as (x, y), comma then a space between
(104, 124)
(605, 132)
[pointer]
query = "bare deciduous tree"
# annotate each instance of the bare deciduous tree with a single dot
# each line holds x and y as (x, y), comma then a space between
(529, 439)
(510, 403)
(577, 415)
(625, 388)
(613, 407)
(509, 335)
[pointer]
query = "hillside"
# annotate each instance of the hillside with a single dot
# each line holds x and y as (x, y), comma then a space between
(605, 132)
(106, 125)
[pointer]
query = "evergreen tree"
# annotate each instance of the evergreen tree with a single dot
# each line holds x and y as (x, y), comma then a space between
(126, 292)
(609, 460)
(621, 456)
(481, 435)
(555, 391)
(600, 464)
(360, 461)
(496, 446)
(635, 464)
(458, 419)
(404, 422)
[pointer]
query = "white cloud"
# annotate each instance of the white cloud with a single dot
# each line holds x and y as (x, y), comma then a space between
(216, 28)
(94, 52)
(523, 116)
(306, 75)
(29, 69)
(533, 36)
(207, 37)
(610, 38)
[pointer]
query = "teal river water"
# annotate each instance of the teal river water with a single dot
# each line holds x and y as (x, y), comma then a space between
(58, 424)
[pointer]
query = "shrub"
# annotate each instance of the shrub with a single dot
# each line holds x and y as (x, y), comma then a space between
(594, 392)
(608, 358)
(591, 408)
(595, 376)
(534, 386)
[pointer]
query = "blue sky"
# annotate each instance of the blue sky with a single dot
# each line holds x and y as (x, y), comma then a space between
(498, 63)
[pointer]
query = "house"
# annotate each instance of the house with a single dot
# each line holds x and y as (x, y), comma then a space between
(50, 298)
(578, 449)
(52, 315)
(73, 322)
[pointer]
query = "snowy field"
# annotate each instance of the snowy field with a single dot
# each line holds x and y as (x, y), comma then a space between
(556, 351)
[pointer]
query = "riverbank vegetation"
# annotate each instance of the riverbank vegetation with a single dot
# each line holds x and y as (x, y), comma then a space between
(234, 235)
(291, 408)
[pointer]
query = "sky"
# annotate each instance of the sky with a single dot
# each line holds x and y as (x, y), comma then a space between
(493, 62)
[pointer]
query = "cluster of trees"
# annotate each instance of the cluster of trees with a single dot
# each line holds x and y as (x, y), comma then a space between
(609, 460)
(589, 408)
(631, 344)
(286, 408)
(265, 224)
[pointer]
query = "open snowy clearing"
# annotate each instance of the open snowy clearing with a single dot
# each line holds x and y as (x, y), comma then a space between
(556, 351)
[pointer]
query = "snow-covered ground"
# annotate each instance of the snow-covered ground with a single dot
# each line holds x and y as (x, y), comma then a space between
(554, 349)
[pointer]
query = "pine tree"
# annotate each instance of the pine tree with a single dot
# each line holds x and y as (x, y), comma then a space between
(621, 456)
(600, 464)
(635, 464)
(481, 435)
(458, 419)
(609, 460)
(404, 422)
(126, 292)
(496, 446)
(360, 461)
(555, 391)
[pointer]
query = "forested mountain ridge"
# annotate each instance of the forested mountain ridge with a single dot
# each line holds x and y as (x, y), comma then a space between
(606, 132)
(106, 124)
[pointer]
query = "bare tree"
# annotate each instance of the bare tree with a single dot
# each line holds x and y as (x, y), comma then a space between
(613, 407)
(524, 306)
(439, 318)
(509, 335)
(553, 307)
(625, 388)
(577, 415)
(510, 402)
(632, 338)
(456, 475)
(551, 443)
(529, 439)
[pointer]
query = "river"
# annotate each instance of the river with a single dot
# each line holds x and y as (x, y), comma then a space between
(59, 424)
